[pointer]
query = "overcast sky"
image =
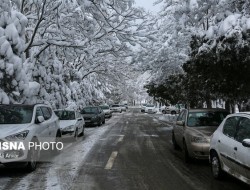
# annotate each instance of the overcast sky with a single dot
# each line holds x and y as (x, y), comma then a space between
(148, 5)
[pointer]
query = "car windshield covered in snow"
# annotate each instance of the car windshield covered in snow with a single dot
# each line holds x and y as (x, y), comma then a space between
(199, 119)
(65, 114)
(89, 110)
(15, 114)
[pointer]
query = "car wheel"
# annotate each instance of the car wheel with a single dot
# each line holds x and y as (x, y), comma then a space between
(187, 158)
(174, 141)
(103, 121)
(173, 112)
(99, 123)
(33, 156)
(163, 111)
(216, 166)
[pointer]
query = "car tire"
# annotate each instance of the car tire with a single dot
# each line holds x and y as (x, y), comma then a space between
(173, 112)
(33, 156)
(174, 141)
(187, 158)
(100, 123)
(217, 172)
(163, 111)
(103, 121)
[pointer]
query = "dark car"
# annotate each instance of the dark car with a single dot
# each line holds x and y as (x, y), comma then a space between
(193, 129)
(93, 116)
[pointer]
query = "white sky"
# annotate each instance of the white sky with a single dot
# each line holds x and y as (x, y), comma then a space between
(148, 5)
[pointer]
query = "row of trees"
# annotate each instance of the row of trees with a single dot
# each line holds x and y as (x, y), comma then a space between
(211, 57)
(66, 51)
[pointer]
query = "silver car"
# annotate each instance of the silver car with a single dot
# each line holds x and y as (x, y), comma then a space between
(193, 129)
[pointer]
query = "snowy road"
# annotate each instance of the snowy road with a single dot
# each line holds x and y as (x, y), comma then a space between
(132, 151)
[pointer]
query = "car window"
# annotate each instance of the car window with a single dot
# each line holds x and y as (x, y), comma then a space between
(243, 129)
(179, 118)
(229, 128)
(205, 118)
(90, 110)
(65, 114)
(12, 114)
(39, 112)
(47, 113)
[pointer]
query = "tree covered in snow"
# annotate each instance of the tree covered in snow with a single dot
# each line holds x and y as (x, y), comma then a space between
(67, 50)
(13, 82)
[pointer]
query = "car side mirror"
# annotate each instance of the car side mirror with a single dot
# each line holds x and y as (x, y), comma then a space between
(246, 143)
(40, 119)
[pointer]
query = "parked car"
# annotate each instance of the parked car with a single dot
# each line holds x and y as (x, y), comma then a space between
(173, 109)
(150, 108)
(193, 129)
(71, 123)
(143, 107)
(123, 107)
(116, 108)
(107, 111)
(93, 116)
(230, 147)
(24, 124)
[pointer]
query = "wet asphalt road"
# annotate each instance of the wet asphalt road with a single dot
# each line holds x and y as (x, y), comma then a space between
(135, 153)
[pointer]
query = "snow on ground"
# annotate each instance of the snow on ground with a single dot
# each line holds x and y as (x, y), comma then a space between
(167, 117)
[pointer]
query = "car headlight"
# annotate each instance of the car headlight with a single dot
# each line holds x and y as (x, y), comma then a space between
(69, 128)
(199, 139)
(18, 136)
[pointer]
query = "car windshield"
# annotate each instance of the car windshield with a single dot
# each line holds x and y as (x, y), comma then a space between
(149, 105)
(211, 118)
(89, 110)
(12, 114)
(65, 115)
(115, 106)
(104, 107)
(144, 104)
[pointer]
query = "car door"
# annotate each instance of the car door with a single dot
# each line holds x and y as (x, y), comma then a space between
(178, 128)
(50, 122)
(226, 143)
(242, 153)
(42, 129)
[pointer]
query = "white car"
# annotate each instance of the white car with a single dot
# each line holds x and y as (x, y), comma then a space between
(116, 108)
(143, 107)
(24, 124)
(71, 123)
(106, 110)
(123, 107)
(230, 147)
(150, 108)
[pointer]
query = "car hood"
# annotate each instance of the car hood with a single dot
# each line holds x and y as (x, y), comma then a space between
(106, 111)
(10, 129)
(66, 123)
(204, 131)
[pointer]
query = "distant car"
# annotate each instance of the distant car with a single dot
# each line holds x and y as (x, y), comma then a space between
(93, 116)
(26, 123)
(116, 108)
(193, 129)
(106, 110)
(71, 123)
(171, 110)
(143, 107)
(126, 105)
(150, 108)
(123, 107)
(230, 147)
